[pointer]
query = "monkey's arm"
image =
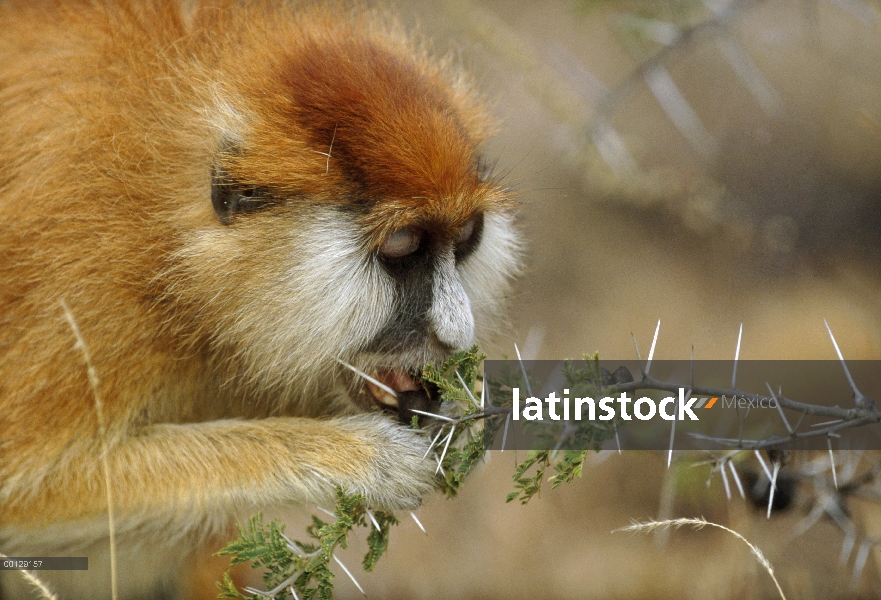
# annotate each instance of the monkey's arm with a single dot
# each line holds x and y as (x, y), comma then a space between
(180, 473)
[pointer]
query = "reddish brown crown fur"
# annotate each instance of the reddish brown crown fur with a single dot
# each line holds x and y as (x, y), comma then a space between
(229, 197)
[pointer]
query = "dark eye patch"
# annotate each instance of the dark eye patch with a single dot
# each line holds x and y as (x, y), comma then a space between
(230, 197)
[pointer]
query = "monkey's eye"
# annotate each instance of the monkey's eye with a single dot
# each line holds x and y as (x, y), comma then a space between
(230, 197)
(401, 243)
(466, 232)
(468, 237)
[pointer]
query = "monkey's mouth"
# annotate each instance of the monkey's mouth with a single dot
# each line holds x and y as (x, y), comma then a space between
(403, 391)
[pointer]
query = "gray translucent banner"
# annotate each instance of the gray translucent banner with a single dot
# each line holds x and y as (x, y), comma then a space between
(686, 405)
(44, 563)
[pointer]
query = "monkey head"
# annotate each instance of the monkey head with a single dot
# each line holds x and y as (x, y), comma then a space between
(351, 218)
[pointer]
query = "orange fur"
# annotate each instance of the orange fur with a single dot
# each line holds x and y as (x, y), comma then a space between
(214, 345)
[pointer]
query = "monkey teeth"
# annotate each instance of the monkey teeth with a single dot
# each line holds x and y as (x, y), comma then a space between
(381, 396)
(391, 381)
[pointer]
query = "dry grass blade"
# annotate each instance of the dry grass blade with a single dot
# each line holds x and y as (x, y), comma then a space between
(94, 384)
(41, 587)
(650, 526)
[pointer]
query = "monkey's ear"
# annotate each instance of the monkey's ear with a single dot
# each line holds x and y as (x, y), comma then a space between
(230, 197)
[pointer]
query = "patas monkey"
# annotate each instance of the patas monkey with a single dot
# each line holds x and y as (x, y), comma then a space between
(228, 197)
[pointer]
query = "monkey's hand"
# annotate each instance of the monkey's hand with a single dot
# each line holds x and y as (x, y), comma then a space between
(385, 464)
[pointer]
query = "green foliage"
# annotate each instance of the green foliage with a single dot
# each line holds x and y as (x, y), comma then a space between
(458, 462)
(569, 467)
(227, 588)
(527, 487)
(567, 464)
(466, 364)
(305, 566)
(377, 540)
(262, 545)
(459, 447)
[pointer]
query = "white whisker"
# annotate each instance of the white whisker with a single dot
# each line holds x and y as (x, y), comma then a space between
(361, 373)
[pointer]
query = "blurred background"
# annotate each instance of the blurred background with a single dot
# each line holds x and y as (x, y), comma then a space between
(705, 163)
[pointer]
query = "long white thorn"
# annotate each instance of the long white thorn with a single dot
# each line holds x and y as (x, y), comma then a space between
(352, 577)
(635, 347)
(673, 432)
(850, 538)
(433, 415)
(725, 480)
(373, 519)
(505, 432)
(832, 462)
(325, 511)
(764, 465)
(853, 386)
(736, 358)
(361, 373)
(483, 389)
(736, 479)
(440, 459)
(523, 370)
(434, 441)
(321, 477)
(418, 522)
(780, 409)
(813, 517)
(773, 487)
(648, 363)
(860, 561)
(290, 544)
(468, 391)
